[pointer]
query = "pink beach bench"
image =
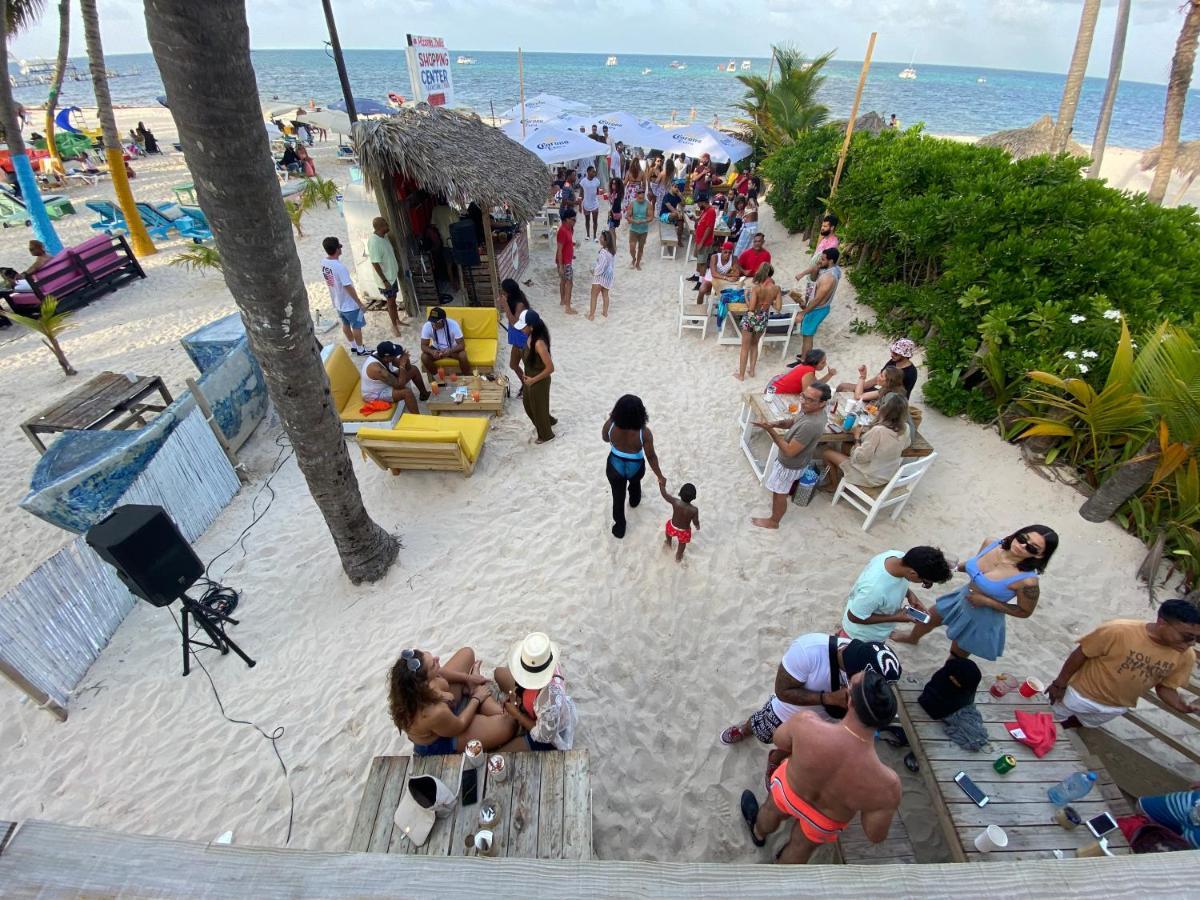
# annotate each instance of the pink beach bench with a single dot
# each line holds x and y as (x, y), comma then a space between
(80, 274)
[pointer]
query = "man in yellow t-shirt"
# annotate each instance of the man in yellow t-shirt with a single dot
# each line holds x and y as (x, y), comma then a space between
(1122, 659)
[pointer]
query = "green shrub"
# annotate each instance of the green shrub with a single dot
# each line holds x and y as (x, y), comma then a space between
(800, 176)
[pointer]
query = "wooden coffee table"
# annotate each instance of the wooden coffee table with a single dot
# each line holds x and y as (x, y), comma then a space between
(491, 397)
(104, 399)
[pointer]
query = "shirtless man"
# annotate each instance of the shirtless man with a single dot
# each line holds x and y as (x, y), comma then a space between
(831, 773)
(40, 257)
(388, 374)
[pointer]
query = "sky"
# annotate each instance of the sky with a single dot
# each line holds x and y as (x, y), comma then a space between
(1034, 35)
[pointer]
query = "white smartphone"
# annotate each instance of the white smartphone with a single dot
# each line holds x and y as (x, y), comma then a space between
(1102, 824)
(971, 789)
(917, 615)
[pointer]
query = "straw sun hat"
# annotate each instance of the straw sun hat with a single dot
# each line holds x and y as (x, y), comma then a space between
(532, 661)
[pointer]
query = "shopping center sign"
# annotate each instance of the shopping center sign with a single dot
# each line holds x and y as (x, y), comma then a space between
(429, 69)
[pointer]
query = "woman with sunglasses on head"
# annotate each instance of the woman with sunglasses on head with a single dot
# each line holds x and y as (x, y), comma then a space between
(442, 707)
(1003, 582)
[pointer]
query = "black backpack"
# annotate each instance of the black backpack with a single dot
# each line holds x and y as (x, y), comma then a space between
(950, 688)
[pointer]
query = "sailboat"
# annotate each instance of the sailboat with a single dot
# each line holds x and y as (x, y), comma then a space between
(909, 74)
(611, 61)
(646, 71)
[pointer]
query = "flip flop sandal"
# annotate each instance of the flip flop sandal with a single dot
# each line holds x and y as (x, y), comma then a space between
(750, 814)
(893, 736)
(910, 763)
(733, 735)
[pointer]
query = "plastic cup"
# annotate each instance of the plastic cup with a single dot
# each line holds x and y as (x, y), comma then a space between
(475, 396)
(1031, 687)
(441, 374)
(1068, 818)
(453, 377)
(991, 838)
(1004, 684)
(793, 408)
(434, 388)
(1094, 849)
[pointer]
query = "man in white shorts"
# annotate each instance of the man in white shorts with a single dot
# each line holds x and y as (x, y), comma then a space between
(796, 447)
(1121, 660)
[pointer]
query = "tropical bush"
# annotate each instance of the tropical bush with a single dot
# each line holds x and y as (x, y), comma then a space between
(199, 258)
(800, 177)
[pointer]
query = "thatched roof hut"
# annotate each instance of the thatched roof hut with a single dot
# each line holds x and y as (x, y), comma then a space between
(1034, 140)
(872, 123)
(1187, 158)
(453, 155)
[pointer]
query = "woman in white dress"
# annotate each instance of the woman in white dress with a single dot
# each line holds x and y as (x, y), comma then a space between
(602, 275)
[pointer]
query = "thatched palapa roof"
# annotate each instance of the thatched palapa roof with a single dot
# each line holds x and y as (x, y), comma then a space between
(872, 123)
(1035, 140)
(1187, 158)
(454, 155)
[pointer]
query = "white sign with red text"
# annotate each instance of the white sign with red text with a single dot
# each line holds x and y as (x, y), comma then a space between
(429, 69)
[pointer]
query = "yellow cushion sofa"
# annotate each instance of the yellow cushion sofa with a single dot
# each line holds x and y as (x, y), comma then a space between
(451, 443)
(478, 325)
(346, 389)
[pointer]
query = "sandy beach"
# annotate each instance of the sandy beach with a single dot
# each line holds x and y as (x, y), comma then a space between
(659, 657)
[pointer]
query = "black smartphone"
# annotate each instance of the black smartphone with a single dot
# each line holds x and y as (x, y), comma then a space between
(1101, 825)
(470, 786)
(971, 789)
(917, 615)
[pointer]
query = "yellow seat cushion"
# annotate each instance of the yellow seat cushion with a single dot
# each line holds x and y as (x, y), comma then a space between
(343, 378)
(476, 321)
(472, 430)
(350, 412)
(481, 353)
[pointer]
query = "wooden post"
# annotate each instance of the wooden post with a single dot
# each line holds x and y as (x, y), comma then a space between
(521, 80)
(491, 252)
(44, 700)
(202, 402)
(862, 80)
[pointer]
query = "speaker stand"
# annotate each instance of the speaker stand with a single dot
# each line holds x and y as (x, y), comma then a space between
(213, 625)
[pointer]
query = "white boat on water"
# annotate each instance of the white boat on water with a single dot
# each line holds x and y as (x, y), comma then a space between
(732, 66)
(646, 71)
(981, 80)
(611, 61)
(466, 60)
(745, 64)
(909, 73)
(675, 64)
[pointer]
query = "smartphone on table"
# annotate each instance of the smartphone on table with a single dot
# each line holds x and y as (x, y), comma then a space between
(971, 789)
(470, 786)
(1102, 824)
(917, 615)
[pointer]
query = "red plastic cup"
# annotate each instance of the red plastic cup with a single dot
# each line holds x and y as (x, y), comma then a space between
(1031, 687)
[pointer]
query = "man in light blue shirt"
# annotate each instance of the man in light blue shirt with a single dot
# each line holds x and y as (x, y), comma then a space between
(877, 599)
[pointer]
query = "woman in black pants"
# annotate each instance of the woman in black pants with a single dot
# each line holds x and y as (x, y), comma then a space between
(631, 447)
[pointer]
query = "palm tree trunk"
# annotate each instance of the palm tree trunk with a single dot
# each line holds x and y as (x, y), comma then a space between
(1110, 88)
(138, 237)
(60, 64)
(203, 55)
(56, 349)
(1177, 88)
(1075, 74)
(42, 229)
(1122, 483)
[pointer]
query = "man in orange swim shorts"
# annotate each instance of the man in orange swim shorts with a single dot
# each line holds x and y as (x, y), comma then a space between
(832, 772)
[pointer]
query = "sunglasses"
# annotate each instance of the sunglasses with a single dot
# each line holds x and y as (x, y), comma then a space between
(412, 659)
(1023, 540)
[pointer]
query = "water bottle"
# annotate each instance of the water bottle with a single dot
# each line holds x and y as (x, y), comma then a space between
(849, 421)
(1075, 787)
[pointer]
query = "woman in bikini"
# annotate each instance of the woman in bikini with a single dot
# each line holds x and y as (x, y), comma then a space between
(762, 296)
(1003, 571)
(442, 707)
(631, 446)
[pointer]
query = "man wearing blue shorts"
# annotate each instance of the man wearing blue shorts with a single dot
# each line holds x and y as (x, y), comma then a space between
(345, 299)
(814, 311)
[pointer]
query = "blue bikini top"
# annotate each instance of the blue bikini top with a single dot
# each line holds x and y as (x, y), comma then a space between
(998, 590)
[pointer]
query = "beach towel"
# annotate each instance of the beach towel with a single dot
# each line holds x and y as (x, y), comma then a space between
(728, 295)
(965, 727)
(1036, 730)
(374, 406)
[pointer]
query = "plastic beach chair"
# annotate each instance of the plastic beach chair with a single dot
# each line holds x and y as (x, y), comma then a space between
(172, 216)
(111, 220)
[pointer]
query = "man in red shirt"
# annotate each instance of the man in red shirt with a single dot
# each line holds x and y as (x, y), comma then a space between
(754, 256)
(705, 231)
(564, 257)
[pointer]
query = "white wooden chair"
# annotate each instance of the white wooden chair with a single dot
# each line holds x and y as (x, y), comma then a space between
(539, 226)
(896, 493)
(691, 314)
(776, 332)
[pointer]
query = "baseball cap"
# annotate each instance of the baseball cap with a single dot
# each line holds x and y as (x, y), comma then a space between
(437, 314)
(728, 245)
(388, 348)
(527, 319)
(858, 656)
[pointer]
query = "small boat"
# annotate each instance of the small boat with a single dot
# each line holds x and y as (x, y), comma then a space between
(646, 71)
(611, 61)
(466, 60)
(745, 64)
(732, 67)
(981, 80)
(675, 64)
(909, 74)
(681, 66)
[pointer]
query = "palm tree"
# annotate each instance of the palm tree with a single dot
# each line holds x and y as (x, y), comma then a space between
(60, 65)
(18, 14)
(1075, 74)
(778, 112)
(203, 55)
(1110, 88)
(50, 324)
(138, 237)
(1177, 87)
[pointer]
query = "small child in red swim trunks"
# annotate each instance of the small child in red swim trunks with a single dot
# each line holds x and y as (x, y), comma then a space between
(684, 516)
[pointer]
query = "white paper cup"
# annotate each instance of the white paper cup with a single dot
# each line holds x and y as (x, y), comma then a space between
(991, 838)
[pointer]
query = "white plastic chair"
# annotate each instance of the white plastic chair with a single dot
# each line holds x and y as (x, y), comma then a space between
(691, 314)
(775, 333)
(872, 501)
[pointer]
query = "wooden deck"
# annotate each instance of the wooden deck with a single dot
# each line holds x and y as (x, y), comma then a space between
(855, 849)
(1018, 799)
(545, 807)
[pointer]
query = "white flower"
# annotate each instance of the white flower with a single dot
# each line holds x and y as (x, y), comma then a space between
(1071, 354)
(1089, 354)
(1075, 320)
(1083, 368)
(1112, 314)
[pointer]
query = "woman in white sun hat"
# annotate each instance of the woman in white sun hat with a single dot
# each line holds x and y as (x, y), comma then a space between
(537, 695)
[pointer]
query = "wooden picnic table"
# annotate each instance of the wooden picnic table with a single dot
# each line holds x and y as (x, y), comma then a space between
(545, 806)
(92, 406)
(1018, 801)
(491, 396)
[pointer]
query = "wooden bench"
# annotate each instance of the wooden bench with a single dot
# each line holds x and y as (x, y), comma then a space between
(545, 807)
(855, 848)
(1018, 801)
(668, 237)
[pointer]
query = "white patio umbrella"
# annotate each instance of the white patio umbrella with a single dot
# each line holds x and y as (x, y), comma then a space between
(631, 130)
(695, 140)
(284, 108)
(329, 119)
(555, 100)
(542, 107)
(553, 144)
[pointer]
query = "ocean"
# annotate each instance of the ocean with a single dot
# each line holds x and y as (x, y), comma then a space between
(948, 99)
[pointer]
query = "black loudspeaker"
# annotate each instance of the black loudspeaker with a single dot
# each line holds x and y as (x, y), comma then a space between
(465, 248)
(150, 555)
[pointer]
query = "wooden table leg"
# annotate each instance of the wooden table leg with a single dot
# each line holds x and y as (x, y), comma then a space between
(32, 435)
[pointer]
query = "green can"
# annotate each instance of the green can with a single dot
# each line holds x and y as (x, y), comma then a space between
(1005, 764)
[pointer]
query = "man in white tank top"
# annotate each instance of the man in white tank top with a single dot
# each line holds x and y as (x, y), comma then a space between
(387, 375)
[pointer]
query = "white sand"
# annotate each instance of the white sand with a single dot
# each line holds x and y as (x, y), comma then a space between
(660, 657)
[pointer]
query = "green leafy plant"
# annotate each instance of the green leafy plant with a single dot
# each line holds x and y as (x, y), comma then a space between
(199, 258)
(50, 324)
(319, 190)
(775, 114)
(295, 211)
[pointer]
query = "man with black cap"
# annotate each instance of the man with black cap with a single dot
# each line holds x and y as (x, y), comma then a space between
(831, 774)
(813, 676)
(388, 374)
(442, 338)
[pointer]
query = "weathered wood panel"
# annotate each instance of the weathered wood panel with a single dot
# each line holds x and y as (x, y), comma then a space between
(577, 807)
(368, 807)
(389, 799)
(550, 808)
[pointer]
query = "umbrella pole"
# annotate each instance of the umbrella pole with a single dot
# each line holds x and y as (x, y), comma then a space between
(521, 81)
(862, 80)
(336, 46)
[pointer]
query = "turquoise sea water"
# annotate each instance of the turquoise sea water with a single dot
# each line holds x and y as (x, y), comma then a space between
(948, 99)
